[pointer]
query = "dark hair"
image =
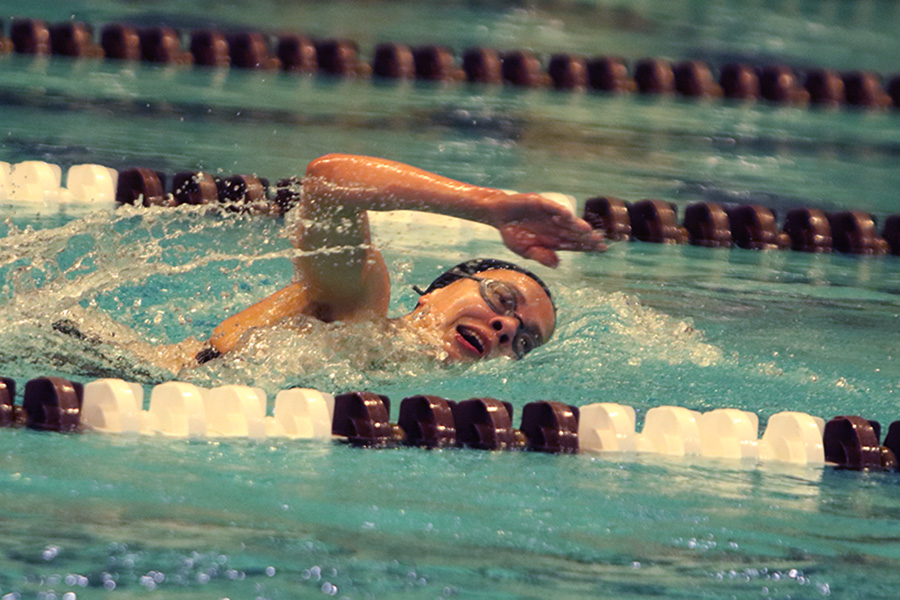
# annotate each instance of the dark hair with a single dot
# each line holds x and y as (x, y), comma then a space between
(479, 265)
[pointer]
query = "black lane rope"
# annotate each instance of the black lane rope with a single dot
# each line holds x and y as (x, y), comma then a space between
(296, 53)
(363, 420)
(709, 224)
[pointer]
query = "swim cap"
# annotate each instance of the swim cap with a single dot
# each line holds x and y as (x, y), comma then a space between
(479, 265)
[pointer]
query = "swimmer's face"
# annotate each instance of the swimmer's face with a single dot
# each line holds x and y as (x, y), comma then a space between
(474, 317)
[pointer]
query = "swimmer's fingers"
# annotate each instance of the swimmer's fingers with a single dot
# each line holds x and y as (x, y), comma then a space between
(540, 242)
(545, 256)
(571, 233)
(524, 243)
(537, 221)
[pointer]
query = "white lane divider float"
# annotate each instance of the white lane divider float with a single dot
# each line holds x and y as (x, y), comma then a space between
(303, 414)
(92, 183)
(729, 433)
(4, 179)
(791, 437)
(606, 427)
(670, 430)
(179, 409)
(235, 411)
(112, 406)
(35, 181)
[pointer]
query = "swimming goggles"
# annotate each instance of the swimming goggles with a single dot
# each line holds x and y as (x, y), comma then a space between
(501, 298)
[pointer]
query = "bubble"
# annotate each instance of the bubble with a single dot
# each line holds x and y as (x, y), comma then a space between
(329, 588)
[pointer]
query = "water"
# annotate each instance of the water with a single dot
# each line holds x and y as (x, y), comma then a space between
(644, 325)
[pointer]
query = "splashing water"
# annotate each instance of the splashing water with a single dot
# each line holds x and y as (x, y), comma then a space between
(134, 278)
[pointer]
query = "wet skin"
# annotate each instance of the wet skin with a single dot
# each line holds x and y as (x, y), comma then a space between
(351, 283)
(470, 329)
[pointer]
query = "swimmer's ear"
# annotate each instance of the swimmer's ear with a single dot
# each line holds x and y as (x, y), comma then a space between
(423, 301)
(421, 294)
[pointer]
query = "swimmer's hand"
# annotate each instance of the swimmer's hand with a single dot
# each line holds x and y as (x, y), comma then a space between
(535, 227)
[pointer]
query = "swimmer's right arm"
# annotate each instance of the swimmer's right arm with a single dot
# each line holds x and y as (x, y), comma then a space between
(267, 311)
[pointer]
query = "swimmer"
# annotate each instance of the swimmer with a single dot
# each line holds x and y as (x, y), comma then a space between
(480, 309)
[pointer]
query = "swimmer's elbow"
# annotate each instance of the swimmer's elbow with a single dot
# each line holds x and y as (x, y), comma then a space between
(224, 337)
(326, 166)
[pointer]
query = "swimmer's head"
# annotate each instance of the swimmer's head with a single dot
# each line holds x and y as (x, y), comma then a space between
(484, 308)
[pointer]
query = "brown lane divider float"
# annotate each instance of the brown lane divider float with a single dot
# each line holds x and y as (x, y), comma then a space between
(891, 233)
(482, 65)
(851, 442)
(363, 418)
(568, 72)
(656, 221)
(121, 42)
(428, 421)
(11, 415)
(854, 232)
(747, 226)
(707, 225)
(808, 230)
(427, 63)
(210, 48)
(53, 404)
(146, 187)
(486, 424)
(654, 76)
(295, 53)
(609, 74)
(753, 227)
(248, 189)
(141, 186)
(550, 427)
(196, 187)
(609, 215)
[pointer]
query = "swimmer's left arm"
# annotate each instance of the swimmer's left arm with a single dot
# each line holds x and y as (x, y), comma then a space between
(531, 225)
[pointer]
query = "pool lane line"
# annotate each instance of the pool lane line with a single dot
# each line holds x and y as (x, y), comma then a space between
(296, 53)
(707, 224)
(362, 419)
(748, 226)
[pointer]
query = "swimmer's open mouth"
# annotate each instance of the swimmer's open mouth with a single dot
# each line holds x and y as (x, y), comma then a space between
(471, 339)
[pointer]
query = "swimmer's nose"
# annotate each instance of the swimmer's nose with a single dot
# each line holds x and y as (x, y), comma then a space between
(505, 328)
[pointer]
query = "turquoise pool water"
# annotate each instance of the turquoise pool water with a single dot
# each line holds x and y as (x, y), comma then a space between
(644, 325)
